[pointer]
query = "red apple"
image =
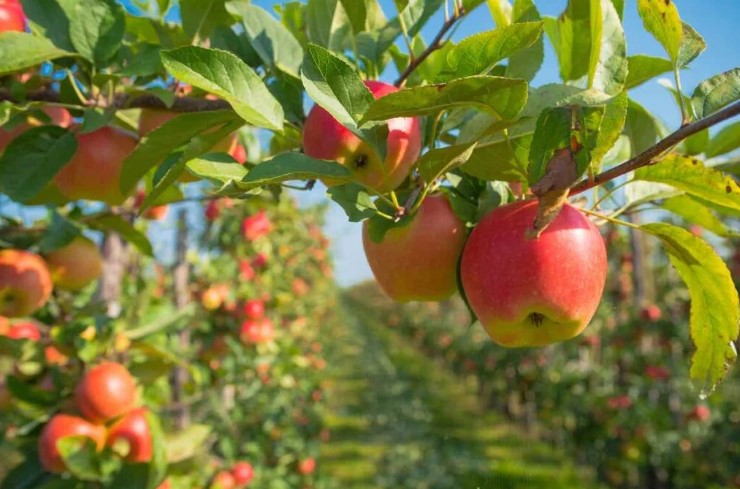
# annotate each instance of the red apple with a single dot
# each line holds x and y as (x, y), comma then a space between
(700, 413)
(325, 138)
(307, 466)
(94, 172)
(533, 292)
(300, 287)
(165, 484)
(59, 116)
(133, 431)
(12, 17)
(24, 330)
(62, 426)
(223, 480)
(154, 213)
(106, 391)
(239, 153)
(255, 332)
(25, 283)
(418, 261)
(212, 210)
(259, 261)
(53, 356)
(651, 313)
(254, 309)
(246, 272)
(243, 473)
(256, 226)
(75, 265)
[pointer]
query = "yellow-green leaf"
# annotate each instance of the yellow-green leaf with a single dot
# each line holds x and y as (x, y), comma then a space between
(661, 19)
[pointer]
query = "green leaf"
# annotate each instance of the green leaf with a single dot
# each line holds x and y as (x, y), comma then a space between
(80, 457)
(96, 28)
(184, 444)
(501, 97)
(328, 24)
(527, 62)
(501, 11)
(661, 19)
(416, 13)
(692, 45)
(693, 211)
(117, 224)
(27, 474)
(696, 143)
(272, 40)
(357, 12)
(19, 50)
(715, 310)
(32, 160)
(145, 62)
(716, 92)
(615, 116)
(354, 199)
(643, 68)
(201, 17)
(641, 127)
(334, 85)
(726, 140)
(570, 35)
(478, 54)
(691, 176)
(157, 467)
(294, 166)
(607, 70)
(217, 167)
(226, 39)
(60, 233)
(162, 141)
(436, 162)
(47, 18)
(506, 161)
(225, 75)
(95, 118)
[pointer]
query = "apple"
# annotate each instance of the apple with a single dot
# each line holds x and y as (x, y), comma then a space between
(212, 210)
(24, 330)
(300, 287)
(307, 466)
(651, 313)
(62, 426)
(325, 138)
(132, 430)
(154, 213)
(418, 261)
(12, 17)
(246, 271)
(75, 265)
(94, 172)
(254, 332)
(165, 484)
(256, 226)
(259, 261)
(243, 473)
(533, 292)
(59, 116)
(223, 480)
(106, 391)
(212, 298)
(254, 309)
(25, 283)
(53, 356)
(239, 153)
(700, 413)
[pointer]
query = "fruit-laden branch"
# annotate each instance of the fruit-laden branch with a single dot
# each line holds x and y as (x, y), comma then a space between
(436, 44)
(648, 156)
(181, 104)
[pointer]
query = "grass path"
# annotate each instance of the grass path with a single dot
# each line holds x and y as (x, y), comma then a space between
(399, 420)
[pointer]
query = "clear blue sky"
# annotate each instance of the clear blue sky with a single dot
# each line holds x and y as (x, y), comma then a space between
(716, 20)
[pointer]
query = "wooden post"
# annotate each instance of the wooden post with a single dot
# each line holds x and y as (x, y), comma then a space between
(181, 277)
(114, 264)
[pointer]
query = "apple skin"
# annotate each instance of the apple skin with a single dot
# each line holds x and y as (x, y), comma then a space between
(307, 466)
(418, 261)
(134, 430)
(61, 426)
(243, 473)
(559, 276)
(256, 226)
(106, 391)
(327, 139)
(254, 332)
(254, 309)
(24, 330)
(154, 213)
(223, 480)
(25, 283)
(94, 172)
(12, 17)
(75, 265)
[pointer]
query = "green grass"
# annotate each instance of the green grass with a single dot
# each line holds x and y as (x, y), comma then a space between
(400, 420)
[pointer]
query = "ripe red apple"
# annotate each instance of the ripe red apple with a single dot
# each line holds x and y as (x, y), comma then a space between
(259, 261)
(12, 17)
(223, 480)
(24, 330)
(255, 332)
(246, 272)
(243, 473)
(62, 426)
(325, 138)
(94, 172)
(418, 261)
(106, 391)
(165, 484)
(651, 313)
(307, 466)
(533, 292)
(133, 430)
(53, 356)
(59, 116)
(25, 283)
(212, 210)
(154, 213)
(256, 226)
(254, 309)
(700, 413)
(75, 265)
(239, 153)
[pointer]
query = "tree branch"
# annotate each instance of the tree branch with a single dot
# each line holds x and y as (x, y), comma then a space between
(647, 157)
(436, 44)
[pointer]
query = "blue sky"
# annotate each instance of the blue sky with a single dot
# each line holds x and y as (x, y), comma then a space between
(715, 20)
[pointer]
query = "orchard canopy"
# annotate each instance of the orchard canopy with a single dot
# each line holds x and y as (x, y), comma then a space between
(469, 179)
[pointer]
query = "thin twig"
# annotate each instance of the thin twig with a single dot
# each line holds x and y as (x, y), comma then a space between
(436, 44)
(648, 156)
